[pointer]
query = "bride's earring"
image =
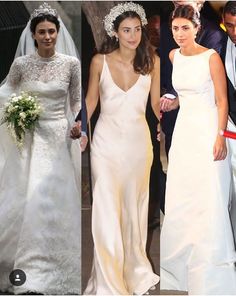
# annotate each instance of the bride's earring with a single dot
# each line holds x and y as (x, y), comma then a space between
(117, 39)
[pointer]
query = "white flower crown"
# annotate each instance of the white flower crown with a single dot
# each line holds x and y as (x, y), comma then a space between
(45, 8)
(118, 10)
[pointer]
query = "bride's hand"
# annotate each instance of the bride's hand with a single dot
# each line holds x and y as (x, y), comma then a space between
(220, 149)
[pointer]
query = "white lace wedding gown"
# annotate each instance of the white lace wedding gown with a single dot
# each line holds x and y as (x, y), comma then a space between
(40, 186)
(197, 248)
(121, 156)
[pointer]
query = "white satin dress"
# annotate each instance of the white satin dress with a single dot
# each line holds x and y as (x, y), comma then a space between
(40, 186)
(121, 160)
(197, 248)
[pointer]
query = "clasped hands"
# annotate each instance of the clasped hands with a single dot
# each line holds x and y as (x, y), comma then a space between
(167, 104)
(76, 133)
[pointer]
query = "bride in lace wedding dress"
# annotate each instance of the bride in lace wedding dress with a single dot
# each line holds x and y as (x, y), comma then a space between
(39, 186)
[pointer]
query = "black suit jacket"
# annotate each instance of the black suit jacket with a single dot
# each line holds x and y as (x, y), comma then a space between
(230, 87)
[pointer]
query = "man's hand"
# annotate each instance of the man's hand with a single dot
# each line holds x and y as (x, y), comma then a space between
(75, 131)
(167, 104)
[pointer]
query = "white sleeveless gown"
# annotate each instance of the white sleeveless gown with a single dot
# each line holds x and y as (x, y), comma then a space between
(197, 249)
(121, 160)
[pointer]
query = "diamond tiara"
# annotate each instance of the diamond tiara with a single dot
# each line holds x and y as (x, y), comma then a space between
(45, 8)
(118, 10)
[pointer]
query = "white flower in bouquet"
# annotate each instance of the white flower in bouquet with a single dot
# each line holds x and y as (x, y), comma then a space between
(21, 113)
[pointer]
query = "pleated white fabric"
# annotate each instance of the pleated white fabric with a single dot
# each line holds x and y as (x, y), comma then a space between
(197, 248)
(121, 159)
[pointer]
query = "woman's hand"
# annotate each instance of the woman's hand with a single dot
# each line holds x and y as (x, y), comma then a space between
(220, 149)
(83, 140)
(219, 79)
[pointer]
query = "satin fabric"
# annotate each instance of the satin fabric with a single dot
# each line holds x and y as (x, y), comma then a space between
(197, 248)
(121, 156)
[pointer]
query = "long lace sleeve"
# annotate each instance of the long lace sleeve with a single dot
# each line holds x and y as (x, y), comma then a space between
(14, 75)
(8, 149)
(12, 82)
(75, 87)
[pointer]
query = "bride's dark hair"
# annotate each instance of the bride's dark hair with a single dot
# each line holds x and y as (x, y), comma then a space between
(144, 58)
(41, 18)
(187, 12)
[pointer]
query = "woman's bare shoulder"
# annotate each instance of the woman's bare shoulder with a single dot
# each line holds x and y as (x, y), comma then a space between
(171, 54)
(97, 62)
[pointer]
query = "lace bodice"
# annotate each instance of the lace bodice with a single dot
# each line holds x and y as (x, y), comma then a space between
(43, 204)
(49, 78)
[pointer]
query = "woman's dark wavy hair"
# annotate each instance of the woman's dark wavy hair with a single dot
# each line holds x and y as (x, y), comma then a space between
(144, 58)
(41, 18)
(187, 12)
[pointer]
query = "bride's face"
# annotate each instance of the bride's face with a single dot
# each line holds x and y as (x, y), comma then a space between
(46, 35)
(184, 31)
(129, 33)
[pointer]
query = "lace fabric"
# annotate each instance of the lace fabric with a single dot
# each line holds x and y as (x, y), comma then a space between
(60, 68)
(40, 186)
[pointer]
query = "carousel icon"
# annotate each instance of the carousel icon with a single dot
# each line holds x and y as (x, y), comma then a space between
(17, 277)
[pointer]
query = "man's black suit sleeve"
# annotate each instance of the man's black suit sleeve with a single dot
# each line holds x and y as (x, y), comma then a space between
(83, 114)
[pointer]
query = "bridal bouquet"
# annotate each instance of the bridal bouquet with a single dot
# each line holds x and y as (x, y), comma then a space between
(21, 114)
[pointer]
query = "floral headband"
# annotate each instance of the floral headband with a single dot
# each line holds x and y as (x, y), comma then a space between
(118, 10)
